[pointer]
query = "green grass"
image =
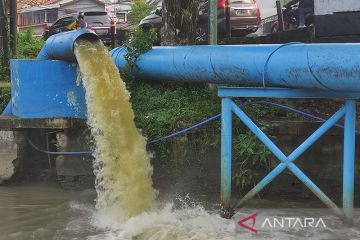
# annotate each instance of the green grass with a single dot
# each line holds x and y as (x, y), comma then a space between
(28, 46)
(5, 95)
(163, 108)
(5, 84)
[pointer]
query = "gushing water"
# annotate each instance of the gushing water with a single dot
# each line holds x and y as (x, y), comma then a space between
(125, 197)
(122, 164)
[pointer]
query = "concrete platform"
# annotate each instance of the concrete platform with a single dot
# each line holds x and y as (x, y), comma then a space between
(13, 123)
(18, 159)
(8, 154)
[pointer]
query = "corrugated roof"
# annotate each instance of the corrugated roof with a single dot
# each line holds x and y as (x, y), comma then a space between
(21, 4)
(41, 4)
(65, 2)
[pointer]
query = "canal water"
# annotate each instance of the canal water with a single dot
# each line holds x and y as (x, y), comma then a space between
(43, 211)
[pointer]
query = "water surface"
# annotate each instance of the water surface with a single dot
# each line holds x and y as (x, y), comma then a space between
(44, 211)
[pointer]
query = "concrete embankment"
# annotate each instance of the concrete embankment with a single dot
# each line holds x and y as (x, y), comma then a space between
(8, 154)
(189, 163)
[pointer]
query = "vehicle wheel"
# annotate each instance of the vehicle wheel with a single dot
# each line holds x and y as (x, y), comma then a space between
(201, 36)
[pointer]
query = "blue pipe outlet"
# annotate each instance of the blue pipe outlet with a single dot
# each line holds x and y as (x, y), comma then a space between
(61, 46)
(57, 47)
(333, 67)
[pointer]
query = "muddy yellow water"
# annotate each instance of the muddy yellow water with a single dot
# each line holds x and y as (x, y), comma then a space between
(122, 164)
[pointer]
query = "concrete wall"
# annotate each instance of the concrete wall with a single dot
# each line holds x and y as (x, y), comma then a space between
(74, 172)
(190, 163)
(186, 164)
(190, 167)
(8, 153)
(329, 23)
(323, 7)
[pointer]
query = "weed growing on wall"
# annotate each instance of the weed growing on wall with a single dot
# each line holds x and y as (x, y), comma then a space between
(251, 157)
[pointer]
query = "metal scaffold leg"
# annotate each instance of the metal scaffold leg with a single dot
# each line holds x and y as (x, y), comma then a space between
(226, 144)
(349, 161)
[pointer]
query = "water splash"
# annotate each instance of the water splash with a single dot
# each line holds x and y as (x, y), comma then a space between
(122, 165)
(168, 223)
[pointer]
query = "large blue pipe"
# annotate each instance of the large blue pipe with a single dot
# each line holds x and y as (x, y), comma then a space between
(334, 67)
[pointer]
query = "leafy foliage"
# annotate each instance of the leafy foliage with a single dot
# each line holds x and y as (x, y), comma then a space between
(163, 108)
(5, 95)
(28, 48)
(4, 69)
(251, 156)
(28, 45)
(139, 42)
(140, 9)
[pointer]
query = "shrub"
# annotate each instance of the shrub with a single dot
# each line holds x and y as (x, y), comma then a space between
(5, 95)
(251, 157)
(28, 45)
(140, 9)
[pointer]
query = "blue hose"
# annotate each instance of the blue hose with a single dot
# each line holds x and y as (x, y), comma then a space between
(56, 153)
(199, 125)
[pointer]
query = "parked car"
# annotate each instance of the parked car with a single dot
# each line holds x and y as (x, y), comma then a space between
(97, 21)
(244, 19)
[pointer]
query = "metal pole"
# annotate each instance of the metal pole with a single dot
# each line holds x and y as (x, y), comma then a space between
(349, 161)
(259, 133)
(13, 26)
(315, 189)
(213, 19)
(280, 16)
(113, 26)
(227, 19)
(262, 184)
(3, 22)
(226, 144)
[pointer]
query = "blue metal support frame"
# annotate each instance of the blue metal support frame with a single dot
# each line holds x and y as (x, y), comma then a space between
(226, 142)
(349, 160)
(348, 112)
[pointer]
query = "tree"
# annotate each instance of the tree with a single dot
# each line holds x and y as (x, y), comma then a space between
(140, 9)
(4, 33)
(179, 21)
(283, 2)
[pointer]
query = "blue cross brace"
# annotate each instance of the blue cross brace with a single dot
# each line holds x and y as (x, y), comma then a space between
(348, 112)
